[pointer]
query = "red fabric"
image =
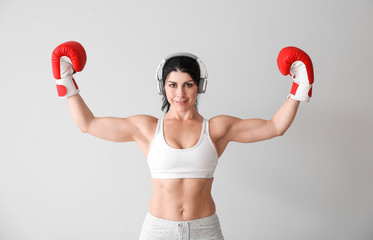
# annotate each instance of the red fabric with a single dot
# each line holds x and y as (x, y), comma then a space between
(74, 51)
(76, 85)
(289, 55)
(61, 90)
(294, 88)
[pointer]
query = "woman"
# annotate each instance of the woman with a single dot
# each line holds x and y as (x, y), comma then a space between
(182, 148)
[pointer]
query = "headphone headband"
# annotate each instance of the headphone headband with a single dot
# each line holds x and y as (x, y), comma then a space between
(202, 67)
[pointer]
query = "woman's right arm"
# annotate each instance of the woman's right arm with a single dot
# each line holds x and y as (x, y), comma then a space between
(134, 128)
(70, 57)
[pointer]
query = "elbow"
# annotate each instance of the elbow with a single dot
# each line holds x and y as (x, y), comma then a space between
(85, 126)
(83, 129)
(280, 132)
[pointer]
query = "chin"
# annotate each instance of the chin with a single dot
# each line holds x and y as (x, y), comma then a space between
(182, 108)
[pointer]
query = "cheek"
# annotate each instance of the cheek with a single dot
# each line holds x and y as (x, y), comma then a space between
(194, 91)
(169, 95)
(167, 91)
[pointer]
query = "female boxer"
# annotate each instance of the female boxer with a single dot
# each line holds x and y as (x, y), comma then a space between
(182, 148)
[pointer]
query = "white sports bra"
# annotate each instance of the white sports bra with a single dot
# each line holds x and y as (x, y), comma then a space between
(167, 162)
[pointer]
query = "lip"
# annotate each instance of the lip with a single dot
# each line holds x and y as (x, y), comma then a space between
(181, 102)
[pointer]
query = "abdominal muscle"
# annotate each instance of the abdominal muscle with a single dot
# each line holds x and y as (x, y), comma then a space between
(182, 199)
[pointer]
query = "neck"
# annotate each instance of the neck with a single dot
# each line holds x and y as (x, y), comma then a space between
(187, 115)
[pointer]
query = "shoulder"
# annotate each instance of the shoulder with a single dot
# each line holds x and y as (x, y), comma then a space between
(223, 120)
(143, 121)
(144, 118)
(221, 124)
(143, 125)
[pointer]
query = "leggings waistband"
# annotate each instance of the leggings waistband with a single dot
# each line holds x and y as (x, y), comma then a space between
(212, 219)
(155, 228)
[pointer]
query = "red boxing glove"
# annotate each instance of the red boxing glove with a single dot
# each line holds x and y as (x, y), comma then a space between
(298, 64)
(67, 58)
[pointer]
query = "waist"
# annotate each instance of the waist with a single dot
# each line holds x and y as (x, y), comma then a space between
(211, 219)
(182, 199)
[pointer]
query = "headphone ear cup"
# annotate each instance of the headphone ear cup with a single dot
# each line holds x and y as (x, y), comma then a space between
(160, 87)
(202, 85)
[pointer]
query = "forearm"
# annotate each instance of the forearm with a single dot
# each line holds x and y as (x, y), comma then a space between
(285, 115)
(82, 115)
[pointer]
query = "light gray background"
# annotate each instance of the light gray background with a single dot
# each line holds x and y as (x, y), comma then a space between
(313, 183)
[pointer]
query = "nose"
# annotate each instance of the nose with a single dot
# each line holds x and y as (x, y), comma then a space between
(180, 91)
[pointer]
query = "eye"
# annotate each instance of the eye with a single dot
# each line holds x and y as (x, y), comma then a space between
(172, 85)
(189, 85)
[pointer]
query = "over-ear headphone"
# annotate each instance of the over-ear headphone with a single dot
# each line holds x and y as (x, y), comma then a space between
(202, 67)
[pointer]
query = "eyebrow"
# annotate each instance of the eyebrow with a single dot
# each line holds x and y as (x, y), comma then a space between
(176, 82)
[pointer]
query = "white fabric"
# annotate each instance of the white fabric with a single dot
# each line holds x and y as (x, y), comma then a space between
(166, 162)
(299, 73)
(66, 80)
(302, 93)
(207, 228)
(69, 85)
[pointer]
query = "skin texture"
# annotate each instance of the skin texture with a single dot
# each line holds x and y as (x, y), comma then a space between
(188, 198)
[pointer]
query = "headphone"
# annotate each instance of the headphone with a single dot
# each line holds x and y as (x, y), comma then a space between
(202, 67)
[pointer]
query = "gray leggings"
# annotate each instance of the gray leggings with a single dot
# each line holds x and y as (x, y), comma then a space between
(155, 228)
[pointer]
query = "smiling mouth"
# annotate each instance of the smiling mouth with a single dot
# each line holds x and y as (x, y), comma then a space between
(181, 102)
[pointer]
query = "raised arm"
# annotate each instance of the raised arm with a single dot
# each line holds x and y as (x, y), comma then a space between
(284, 116)
(133, 128)
(69, 58)
(292, 61)
(253, 130)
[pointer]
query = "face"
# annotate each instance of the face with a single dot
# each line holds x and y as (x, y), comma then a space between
(181, 91)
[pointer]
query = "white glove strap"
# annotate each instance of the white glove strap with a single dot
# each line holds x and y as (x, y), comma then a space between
(68, 83)
(301, 92)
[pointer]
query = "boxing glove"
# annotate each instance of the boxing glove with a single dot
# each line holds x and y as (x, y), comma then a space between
(67, 58)
(296, 63)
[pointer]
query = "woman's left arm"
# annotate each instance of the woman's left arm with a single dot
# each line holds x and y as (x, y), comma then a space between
(253, 130)
(285, 116)
(291, 61)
